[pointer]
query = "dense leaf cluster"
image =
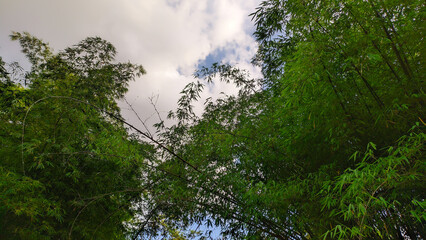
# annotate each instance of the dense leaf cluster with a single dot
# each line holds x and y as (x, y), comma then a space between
(329, 144)
(68, 170)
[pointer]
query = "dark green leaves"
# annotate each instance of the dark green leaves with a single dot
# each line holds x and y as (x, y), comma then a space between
(340, 77)
(72, 172)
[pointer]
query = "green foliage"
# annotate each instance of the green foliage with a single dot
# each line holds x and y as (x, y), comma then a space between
(323, 147)
(329, 144)
(68, 170)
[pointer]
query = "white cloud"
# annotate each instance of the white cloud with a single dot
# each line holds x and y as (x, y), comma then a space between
(168, 37)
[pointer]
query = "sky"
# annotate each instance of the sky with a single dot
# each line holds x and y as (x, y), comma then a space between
(170, 38)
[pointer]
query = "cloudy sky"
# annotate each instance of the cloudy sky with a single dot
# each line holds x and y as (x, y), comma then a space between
(170, 38)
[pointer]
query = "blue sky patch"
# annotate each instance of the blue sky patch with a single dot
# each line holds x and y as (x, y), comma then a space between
(216, 56)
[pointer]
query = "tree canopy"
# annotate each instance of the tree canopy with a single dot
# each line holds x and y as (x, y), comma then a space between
(327, 145)
(68, 171)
